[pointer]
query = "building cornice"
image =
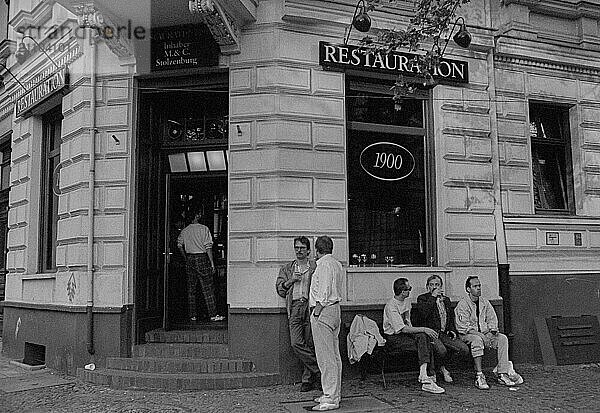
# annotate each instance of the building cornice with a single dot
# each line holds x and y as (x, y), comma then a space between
(40, 13)
(547, 64)
(571, 9)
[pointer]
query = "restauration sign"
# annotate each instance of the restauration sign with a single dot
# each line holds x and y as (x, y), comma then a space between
(353, 57)
(55, 82)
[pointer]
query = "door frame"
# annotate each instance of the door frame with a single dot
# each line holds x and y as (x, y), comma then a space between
(146, 148)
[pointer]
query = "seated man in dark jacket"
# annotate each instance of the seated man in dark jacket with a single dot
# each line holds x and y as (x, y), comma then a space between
(435, 312)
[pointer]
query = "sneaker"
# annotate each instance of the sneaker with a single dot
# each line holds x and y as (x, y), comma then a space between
(318, 399)
(321, 407)
(446, 374)
(516, 378)
(306, 387)
(504, 379)
(425, 379)
(481, 383)
(432, 388)
(217, 318)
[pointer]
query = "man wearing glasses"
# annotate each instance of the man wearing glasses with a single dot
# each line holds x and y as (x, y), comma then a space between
(400, 334)
(293, 284)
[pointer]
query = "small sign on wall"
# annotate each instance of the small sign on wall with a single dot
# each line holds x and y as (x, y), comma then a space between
(577, 239)
(552, 238)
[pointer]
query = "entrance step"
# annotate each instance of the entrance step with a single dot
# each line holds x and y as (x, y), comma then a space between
(219, 336)
(123, 379)
(178, 350)
(180, 365)
(179, 360)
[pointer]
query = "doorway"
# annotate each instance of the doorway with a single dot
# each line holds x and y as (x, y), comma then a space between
(182, 157)
(186, 192)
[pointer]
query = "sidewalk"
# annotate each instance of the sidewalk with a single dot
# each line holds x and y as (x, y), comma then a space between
(566, 388)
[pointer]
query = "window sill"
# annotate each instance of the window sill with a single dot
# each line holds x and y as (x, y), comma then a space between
(398, 269)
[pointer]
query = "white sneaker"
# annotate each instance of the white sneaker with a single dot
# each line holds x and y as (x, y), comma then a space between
(217, 318)
(318, 399)
(321, 407)
(504, 379)
(432, 388)
(446, 374)
(425, 379)
(481, 383)
(516, 378)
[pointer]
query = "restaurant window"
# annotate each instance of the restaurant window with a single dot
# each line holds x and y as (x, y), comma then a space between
(51, 124)
(551, 158)
(389, 163)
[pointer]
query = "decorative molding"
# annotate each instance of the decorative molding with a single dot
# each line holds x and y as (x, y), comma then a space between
(88, 15)
(220, 23)
(543, 64)
(40, 13)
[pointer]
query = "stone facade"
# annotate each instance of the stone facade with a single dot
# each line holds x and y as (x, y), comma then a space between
(288, 167)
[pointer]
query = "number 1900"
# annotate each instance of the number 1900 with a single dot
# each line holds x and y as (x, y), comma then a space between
(387, 160)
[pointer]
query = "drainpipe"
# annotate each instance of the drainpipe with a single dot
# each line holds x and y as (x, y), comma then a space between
(503, 266)
(91, 179)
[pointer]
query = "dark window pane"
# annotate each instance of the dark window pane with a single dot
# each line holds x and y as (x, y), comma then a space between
(380, 108)
(386, 217)
(551, 157)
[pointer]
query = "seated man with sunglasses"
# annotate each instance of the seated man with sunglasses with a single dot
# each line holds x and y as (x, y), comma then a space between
(401, 335)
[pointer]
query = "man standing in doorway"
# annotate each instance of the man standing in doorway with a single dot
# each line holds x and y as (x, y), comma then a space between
(293, 284)
(435, 312)
(477, 325)
(195, 244)
(324, 301)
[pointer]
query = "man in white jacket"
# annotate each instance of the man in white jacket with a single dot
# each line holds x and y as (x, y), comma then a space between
(477, 325)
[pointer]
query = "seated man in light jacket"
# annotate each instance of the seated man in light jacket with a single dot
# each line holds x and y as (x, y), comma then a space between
(477, 325)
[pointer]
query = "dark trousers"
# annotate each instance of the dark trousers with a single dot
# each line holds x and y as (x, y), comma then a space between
(302, 341)
(198, 270)
(444, 343)
(403, 342)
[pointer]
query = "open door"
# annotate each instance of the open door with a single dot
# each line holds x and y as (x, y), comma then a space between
(183, 192)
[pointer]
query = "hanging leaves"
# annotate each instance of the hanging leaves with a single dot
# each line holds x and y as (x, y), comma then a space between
(430, 23)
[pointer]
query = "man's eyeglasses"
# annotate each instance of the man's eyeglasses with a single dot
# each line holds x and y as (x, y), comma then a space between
(300, 248)
(407, 289)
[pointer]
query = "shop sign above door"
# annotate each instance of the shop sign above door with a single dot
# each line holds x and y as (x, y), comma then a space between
(39, 93)
(387, 161)
(183, 47)
(353, 57)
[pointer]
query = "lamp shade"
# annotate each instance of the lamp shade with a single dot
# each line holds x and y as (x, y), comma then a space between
(22, 53)
(362, 22)
(462, 37)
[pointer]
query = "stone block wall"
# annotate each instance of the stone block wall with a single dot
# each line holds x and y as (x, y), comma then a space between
(287, 159)
(112, 209)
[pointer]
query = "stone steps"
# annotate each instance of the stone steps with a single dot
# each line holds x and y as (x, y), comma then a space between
(180, 365)
(217, 336)
(123, 379)
(182, 350)
(184, 360)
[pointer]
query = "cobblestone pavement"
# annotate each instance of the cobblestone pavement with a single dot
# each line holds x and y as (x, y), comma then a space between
(567, 388)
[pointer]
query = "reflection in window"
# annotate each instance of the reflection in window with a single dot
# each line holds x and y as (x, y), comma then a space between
(551, 157)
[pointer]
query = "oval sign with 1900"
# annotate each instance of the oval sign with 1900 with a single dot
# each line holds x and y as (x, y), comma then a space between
(387, 161)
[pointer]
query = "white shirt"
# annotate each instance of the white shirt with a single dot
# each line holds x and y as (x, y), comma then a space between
(195, 238)
(326, 283)
(396, 315)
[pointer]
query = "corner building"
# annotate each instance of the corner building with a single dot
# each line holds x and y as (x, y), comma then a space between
(232, 106)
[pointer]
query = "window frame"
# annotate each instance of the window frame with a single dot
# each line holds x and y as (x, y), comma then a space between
(565, 142)
(382, 86)
(49, 204)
